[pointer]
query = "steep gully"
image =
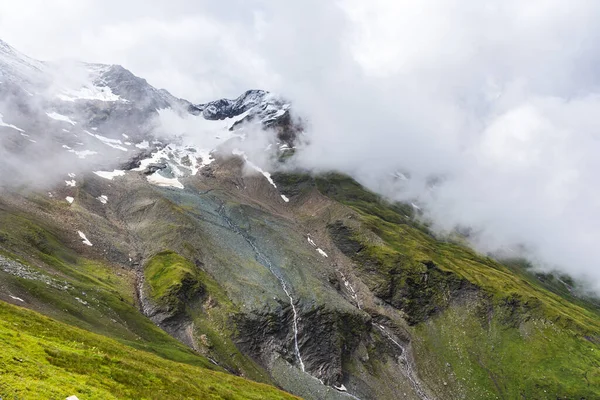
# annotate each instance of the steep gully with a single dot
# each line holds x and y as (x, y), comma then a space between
(405, 360)
(265, 261)
(404, 357)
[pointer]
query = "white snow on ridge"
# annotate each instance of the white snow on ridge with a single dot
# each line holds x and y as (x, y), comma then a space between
(69, 199)
(285, 198)
(2, 123)
(237, 118)
(178, 157)
(160, 180)
(60, 117)
(89, 92)
(71, 183)
(254, 166)
(110, 175)
(83, 153)
(142, 145)
(114, 143)
(84, 239)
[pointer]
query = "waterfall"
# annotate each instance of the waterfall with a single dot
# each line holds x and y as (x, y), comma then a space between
(410, 373)
(265, 261)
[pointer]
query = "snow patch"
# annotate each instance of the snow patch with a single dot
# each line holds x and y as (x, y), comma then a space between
(322, 252)
(114, 143)
(71, 183)
(285, 198)
(60, 117)
(350, 288)
(311, 241)
(69, 199)
(159, 180)
(16, 298)
(178, 158)
(110, 175)
(82, 153)
(89, 92)
(143, 145)
(102, 199)
(84, 239)
(2, 123)
(254, 166)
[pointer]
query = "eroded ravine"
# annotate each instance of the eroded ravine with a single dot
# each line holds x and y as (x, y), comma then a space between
(406, 363)
(263, 259)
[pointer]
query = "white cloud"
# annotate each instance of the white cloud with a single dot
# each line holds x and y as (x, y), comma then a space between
(498, 99)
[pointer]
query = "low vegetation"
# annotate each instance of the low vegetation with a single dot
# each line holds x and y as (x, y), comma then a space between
(481, 329)
(43, 358)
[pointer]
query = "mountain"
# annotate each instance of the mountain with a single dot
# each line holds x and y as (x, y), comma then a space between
(149, 248)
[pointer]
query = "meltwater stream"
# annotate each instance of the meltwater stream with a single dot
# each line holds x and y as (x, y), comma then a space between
(265, 261)
(410, 373)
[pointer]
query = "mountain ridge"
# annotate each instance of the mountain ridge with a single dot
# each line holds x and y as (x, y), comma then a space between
(204, 254)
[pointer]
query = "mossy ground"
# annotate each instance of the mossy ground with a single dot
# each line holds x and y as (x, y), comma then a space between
(172, 279)
(42, 358)
(480, 328)
(186, 288)
(109, 292)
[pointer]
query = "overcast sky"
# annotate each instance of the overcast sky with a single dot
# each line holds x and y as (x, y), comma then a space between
(498, 99)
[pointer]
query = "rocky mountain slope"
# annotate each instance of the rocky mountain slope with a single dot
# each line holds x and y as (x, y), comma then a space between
(170, 266)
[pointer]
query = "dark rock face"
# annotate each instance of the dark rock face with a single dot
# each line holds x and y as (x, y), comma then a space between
(338, 335)
(225, 108)
(263, 333)
(420, 290)
(325, 337)
(135, 161)
(270, 111)
(341, 235)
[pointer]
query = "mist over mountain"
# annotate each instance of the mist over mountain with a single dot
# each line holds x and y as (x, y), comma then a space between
(338, 200)
(493, 102)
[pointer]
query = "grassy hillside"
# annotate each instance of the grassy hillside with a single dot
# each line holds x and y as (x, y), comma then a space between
(39, 264)
(45, 359)
(181, 287)
(480, 329)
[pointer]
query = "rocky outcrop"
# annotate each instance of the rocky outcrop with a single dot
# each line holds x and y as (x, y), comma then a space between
(326, 336)
(420, 289)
